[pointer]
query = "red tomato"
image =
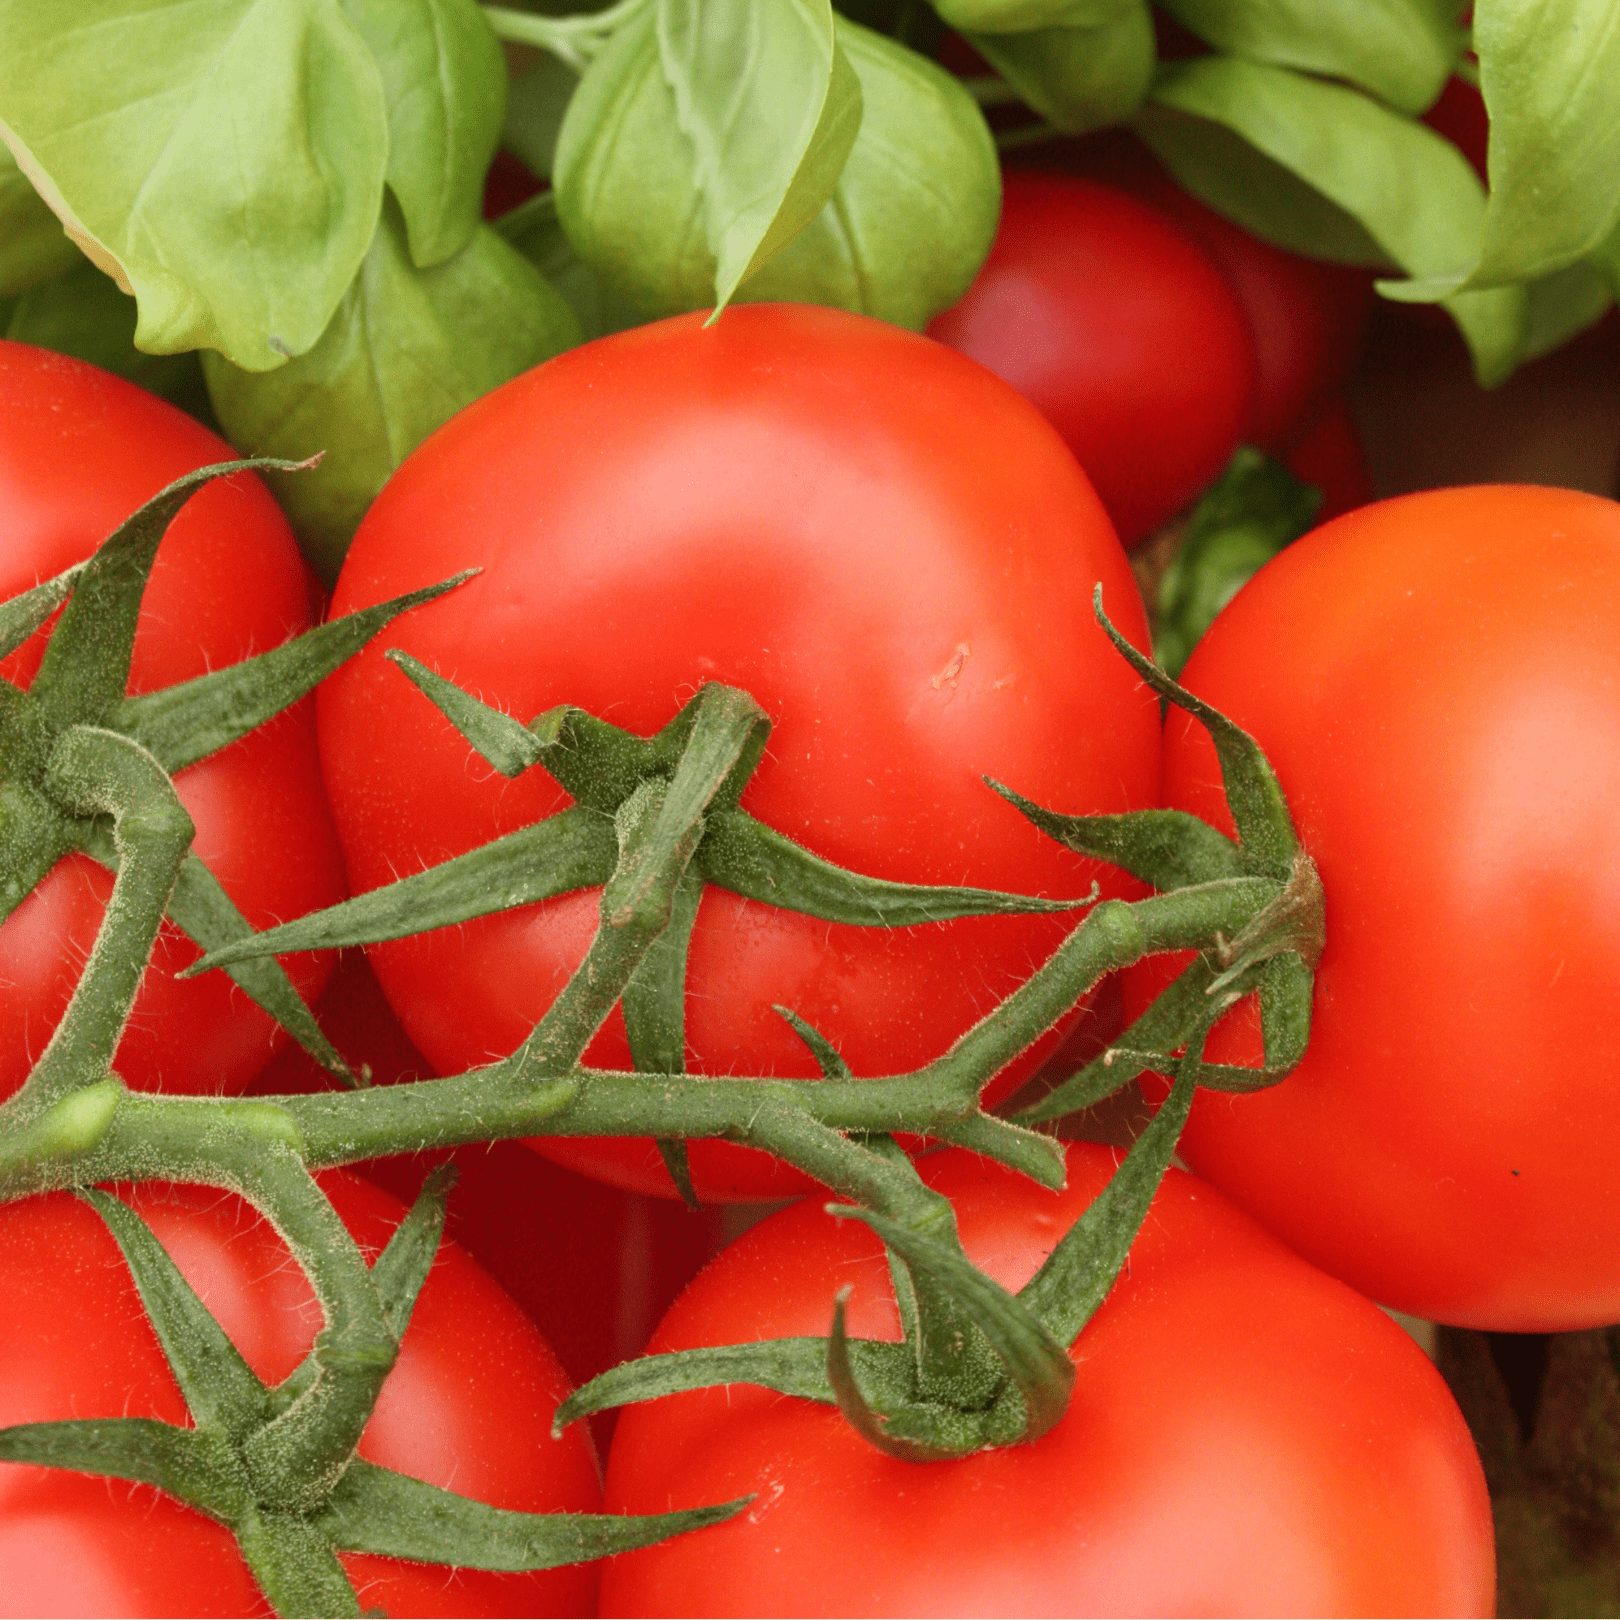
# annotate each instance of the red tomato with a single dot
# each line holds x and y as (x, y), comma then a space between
(1247, 1436)
(468, 1407)
(886, 546)
(1461, 117)
(1437, 682)
(1106, 316)
(1307, 319)
(79, 451)
(507, 184)
(1330, 455)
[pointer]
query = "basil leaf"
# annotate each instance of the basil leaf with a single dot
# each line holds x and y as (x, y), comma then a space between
(1564, 304)
(1411, 191)
(84, 314)
(623, 176)
(535, 231)
(33, 245)
(1550, 74)
(914, 212)
(405, 351)
(1401, 50)
(1078, 79)
(1028, 16)
(673, 180)
(1605, 259)
(534, 112)
(770, 107)
(224, 162)
(1269, 201)
(444, 79)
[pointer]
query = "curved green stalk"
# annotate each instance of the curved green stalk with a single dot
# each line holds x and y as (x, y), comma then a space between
(95, 772)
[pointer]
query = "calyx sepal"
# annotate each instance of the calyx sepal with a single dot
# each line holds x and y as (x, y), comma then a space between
(364, 1508)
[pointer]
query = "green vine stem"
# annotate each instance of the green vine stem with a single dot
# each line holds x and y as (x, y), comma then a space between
(93, 772)
(154, 1135)
(575, 40)
(659, 828)
(297, 1458)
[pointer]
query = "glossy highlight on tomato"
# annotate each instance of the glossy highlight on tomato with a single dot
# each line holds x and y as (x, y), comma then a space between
(1437, 681)
(81, 450)
(467, 1407)
(1246, 1436)
(881, 542)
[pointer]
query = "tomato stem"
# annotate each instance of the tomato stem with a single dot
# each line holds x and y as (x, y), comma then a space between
(90, 772)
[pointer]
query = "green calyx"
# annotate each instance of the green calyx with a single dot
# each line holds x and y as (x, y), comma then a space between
(83, 767)
(978, 1366)
(276, 1465)
(1252, 511)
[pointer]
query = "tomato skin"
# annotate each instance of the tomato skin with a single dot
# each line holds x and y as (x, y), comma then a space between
(1108, 318)
(1246, 1436)
(882, 543)
(1461, 117)
(80, 450)
(1434, 679)
(1307, 319)
(507, 184)
(1330, 455)
(468, 1407)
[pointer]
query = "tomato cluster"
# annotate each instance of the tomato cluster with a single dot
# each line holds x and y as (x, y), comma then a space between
(896, 554)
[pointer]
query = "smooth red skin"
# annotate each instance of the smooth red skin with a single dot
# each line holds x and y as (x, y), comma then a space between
(820, 509)
(1435, 680)
(507, 184)
(594, 1267)
(1247, 1436)
(1330, 455)
(468, 1407)
(1461, 117)
(1307, 319)
(79, 451)
(1121, 331)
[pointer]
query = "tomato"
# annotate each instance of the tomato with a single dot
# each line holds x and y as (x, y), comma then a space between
(1437, 681)
(884, 544)
(507, 184)
(467, 1407)
(1307, 319)
(79, 451)
(1461, 117)
(1104, 314)
(1330, 455)
(593, 1266)
(1246, 1436)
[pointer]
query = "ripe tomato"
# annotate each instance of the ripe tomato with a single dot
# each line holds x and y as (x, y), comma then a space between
(79, 451)
(1307, 319)
(1437, 682)
(467, 1407)
(886, 546)
(1247, 1436)
(1330, 455)
(1461, 117)
(1104, 314)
